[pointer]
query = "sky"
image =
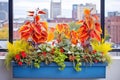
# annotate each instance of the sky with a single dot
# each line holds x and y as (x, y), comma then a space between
(22, 6)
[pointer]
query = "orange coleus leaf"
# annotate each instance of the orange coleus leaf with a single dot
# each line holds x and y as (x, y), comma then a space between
(50, 36)
(27, 23)
(67, 33)
(66, 26)
(37, 35)
(98, 27)
(34, 38)
(36, 28)
(74, 41)
(60, 28)
(44, 26)
(84, 34)
(66, 30)
(89, 22)
(87, 11)
(82, 29)
(80, 22)
(44, 33)
(41, 12)
(74, 37)
(40, 38)
(52, 29)
(74, 34)
(25, 31)
(83, 39)
(25, 36)
(95, 35)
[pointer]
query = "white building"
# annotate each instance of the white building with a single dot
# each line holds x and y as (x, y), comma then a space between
(81, 7)
(55, 9)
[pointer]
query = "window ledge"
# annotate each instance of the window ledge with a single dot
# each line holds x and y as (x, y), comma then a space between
(115, 57)
(2, 57)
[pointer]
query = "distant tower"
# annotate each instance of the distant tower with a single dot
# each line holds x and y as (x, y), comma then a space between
(74, 11)
(81, 7)
(44, 17)
(3, 10)
(55, 9)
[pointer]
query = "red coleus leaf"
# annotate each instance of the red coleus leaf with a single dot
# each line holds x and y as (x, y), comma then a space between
(53, 50)
(30, 13)
(41, 12)
(44, 54)
(94, 52)
(61, 50)
(72, 58)
(37, 18)
(96, 61)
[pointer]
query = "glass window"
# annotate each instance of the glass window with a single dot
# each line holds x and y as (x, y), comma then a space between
(112, 24)
(57, 11)
(3, 23)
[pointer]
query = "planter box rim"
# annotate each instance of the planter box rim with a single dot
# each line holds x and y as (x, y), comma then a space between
(67, 64)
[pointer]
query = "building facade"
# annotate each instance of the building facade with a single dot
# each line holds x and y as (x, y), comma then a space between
(74, 11)
(55, 9)
(112, 25)
(115, 13)
(44, 17)
(3, 10)
(78, 10)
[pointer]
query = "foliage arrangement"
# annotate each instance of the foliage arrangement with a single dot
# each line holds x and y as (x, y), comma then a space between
(64, 42)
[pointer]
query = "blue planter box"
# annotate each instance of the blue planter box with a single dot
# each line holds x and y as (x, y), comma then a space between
(97, 70)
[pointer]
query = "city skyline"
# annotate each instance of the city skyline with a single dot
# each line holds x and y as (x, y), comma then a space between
(66, 6)
(21, 7)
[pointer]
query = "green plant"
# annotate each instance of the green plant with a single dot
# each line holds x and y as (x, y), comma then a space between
(59, 58)
(79, 42)
(16, 48)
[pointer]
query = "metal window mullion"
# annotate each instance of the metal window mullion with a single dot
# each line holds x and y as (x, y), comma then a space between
(10, 14)
(102, 10)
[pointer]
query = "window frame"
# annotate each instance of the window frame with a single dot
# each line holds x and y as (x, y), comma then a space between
(10, 16)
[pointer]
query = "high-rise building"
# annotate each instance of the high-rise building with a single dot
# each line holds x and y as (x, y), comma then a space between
(74, 11)
(3, 10)
(112, 25)
(44, 17)
(55, 9)
(80, 10)
(115, 13)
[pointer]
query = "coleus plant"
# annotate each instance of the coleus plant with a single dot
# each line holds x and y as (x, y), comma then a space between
(36, 30)
(82, 44)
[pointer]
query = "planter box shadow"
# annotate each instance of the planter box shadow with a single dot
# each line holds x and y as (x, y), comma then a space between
(97, 70)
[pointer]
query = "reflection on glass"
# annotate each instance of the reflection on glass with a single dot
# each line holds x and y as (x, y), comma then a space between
(112, 22)
(2, 53)
(57, 11)
(3, 23)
